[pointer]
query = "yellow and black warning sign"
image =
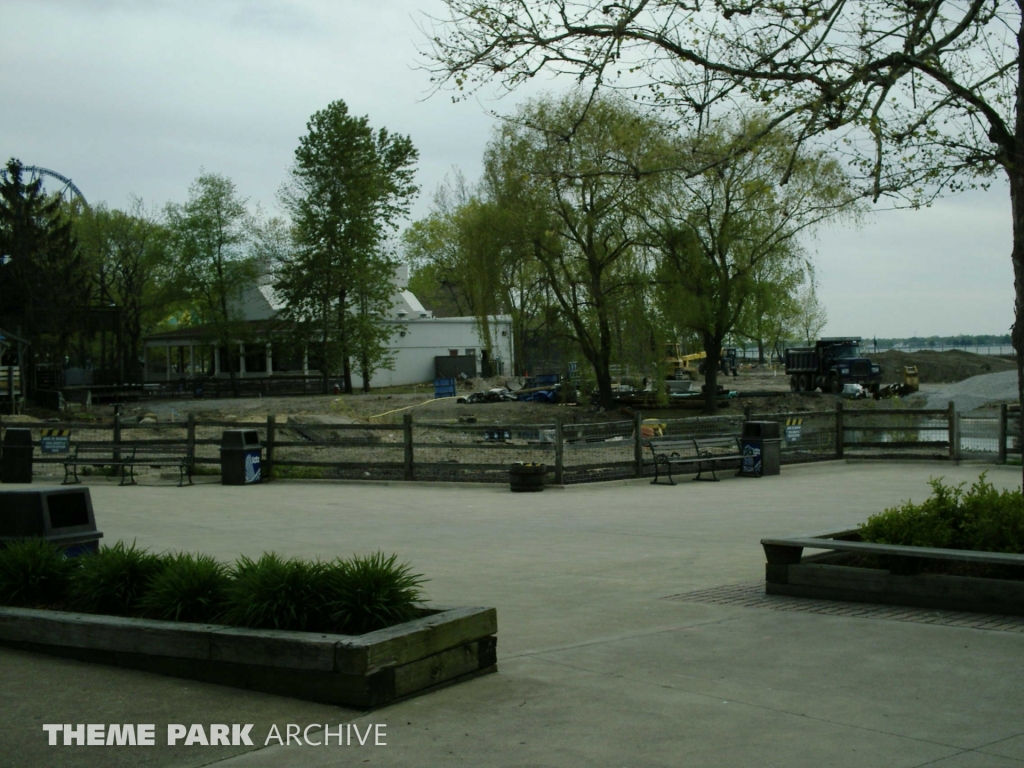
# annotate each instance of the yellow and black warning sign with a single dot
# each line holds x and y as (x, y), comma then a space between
(55, 440)
(794, 429)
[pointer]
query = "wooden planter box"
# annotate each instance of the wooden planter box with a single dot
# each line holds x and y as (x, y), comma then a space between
(789, 572)
(361, 671)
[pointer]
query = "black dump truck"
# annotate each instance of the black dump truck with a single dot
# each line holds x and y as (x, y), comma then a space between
(830, 364)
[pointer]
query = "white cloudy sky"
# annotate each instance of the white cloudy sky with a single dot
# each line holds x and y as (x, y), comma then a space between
(134, 97)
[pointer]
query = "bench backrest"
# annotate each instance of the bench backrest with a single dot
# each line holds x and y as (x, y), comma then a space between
(103, 450)
(716, 441)
(660, 444)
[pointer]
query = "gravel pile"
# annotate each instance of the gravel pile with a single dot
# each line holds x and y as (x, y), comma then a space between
(976, 392)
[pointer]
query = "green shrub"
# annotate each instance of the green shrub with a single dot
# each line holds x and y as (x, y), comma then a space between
(33, 572)
(348, 596)
(187, 588)
(373, 592)
(273, 593)
(994, 520)
(112, 580)
(981, 518)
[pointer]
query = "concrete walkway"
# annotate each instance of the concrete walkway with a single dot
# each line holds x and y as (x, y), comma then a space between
(596, 667)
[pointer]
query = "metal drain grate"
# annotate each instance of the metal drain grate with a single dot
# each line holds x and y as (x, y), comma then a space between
(751, 594)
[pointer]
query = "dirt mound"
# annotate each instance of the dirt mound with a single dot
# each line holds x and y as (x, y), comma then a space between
(977, 392)
(939, 367)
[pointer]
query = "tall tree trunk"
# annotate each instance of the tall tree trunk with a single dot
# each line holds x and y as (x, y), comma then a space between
(346, 369)
(343, 326)
(713, 350)
(604, 385)
(760, 350)
(1016, 174)
(325, 369)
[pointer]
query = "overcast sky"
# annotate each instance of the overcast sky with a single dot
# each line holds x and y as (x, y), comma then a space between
(130, 97)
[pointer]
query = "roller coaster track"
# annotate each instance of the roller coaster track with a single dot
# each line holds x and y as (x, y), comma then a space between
(69, 185)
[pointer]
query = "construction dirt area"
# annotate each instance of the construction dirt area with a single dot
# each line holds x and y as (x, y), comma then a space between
(971, 381)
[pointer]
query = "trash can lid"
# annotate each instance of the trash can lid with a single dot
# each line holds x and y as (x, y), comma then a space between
(763, 429)
(239, 438)
(17, 436)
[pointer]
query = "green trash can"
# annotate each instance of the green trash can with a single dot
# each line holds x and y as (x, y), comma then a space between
(241, 454)
(16, 456)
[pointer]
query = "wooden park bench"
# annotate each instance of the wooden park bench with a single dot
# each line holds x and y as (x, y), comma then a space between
(130, 455)
(703, 452)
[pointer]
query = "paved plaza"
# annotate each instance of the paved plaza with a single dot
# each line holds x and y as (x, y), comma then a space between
(604, 657)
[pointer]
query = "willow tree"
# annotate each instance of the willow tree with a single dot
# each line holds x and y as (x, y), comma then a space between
(437, 250)
(478, 251)
(559, 161)
(727, 228)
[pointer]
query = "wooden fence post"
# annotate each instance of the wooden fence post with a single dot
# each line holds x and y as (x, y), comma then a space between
(839, 429)
(638, 443)
(271, 428)
(190, 440)
(1003, 411)
(559, 465)
(407, 434)
(953, 432)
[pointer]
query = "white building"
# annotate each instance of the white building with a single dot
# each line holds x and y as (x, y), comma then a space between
(417, 339)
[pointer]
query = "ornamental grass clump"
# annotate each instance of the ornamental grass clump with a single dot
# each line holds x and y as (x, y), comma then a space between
(33, 572)
(982, 519)
(113, 579)
(372, 592)
(188, 588)
(353, 596)
(274, 593)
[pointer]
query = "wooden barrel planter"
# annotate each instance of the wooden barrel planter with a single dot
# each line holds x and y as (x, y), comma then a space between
(526, 477)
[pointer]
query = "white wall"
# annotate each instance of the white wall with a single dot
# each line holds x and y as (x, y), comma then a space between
(428, 338)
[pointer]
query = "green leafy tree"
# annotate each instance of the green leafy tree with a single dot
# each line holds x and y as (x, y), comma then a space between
(130, 261)
(211, 241)
(728, 228)
(558, 163)
(772, 308)
(371, 339)
(810, 315)
(348, 187)
(476, 246)
(437, 249)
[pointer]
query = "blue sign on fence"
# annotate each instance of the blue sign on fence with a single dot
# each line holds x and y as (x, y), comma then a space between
(55, 441)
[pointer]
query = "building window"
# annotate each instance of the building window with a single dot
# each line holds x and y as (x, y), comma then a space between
(286, 357)
(256, 358)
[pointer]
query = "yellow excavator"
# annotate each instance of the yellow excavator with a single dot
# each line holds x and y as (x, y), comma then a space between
(678, 365)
